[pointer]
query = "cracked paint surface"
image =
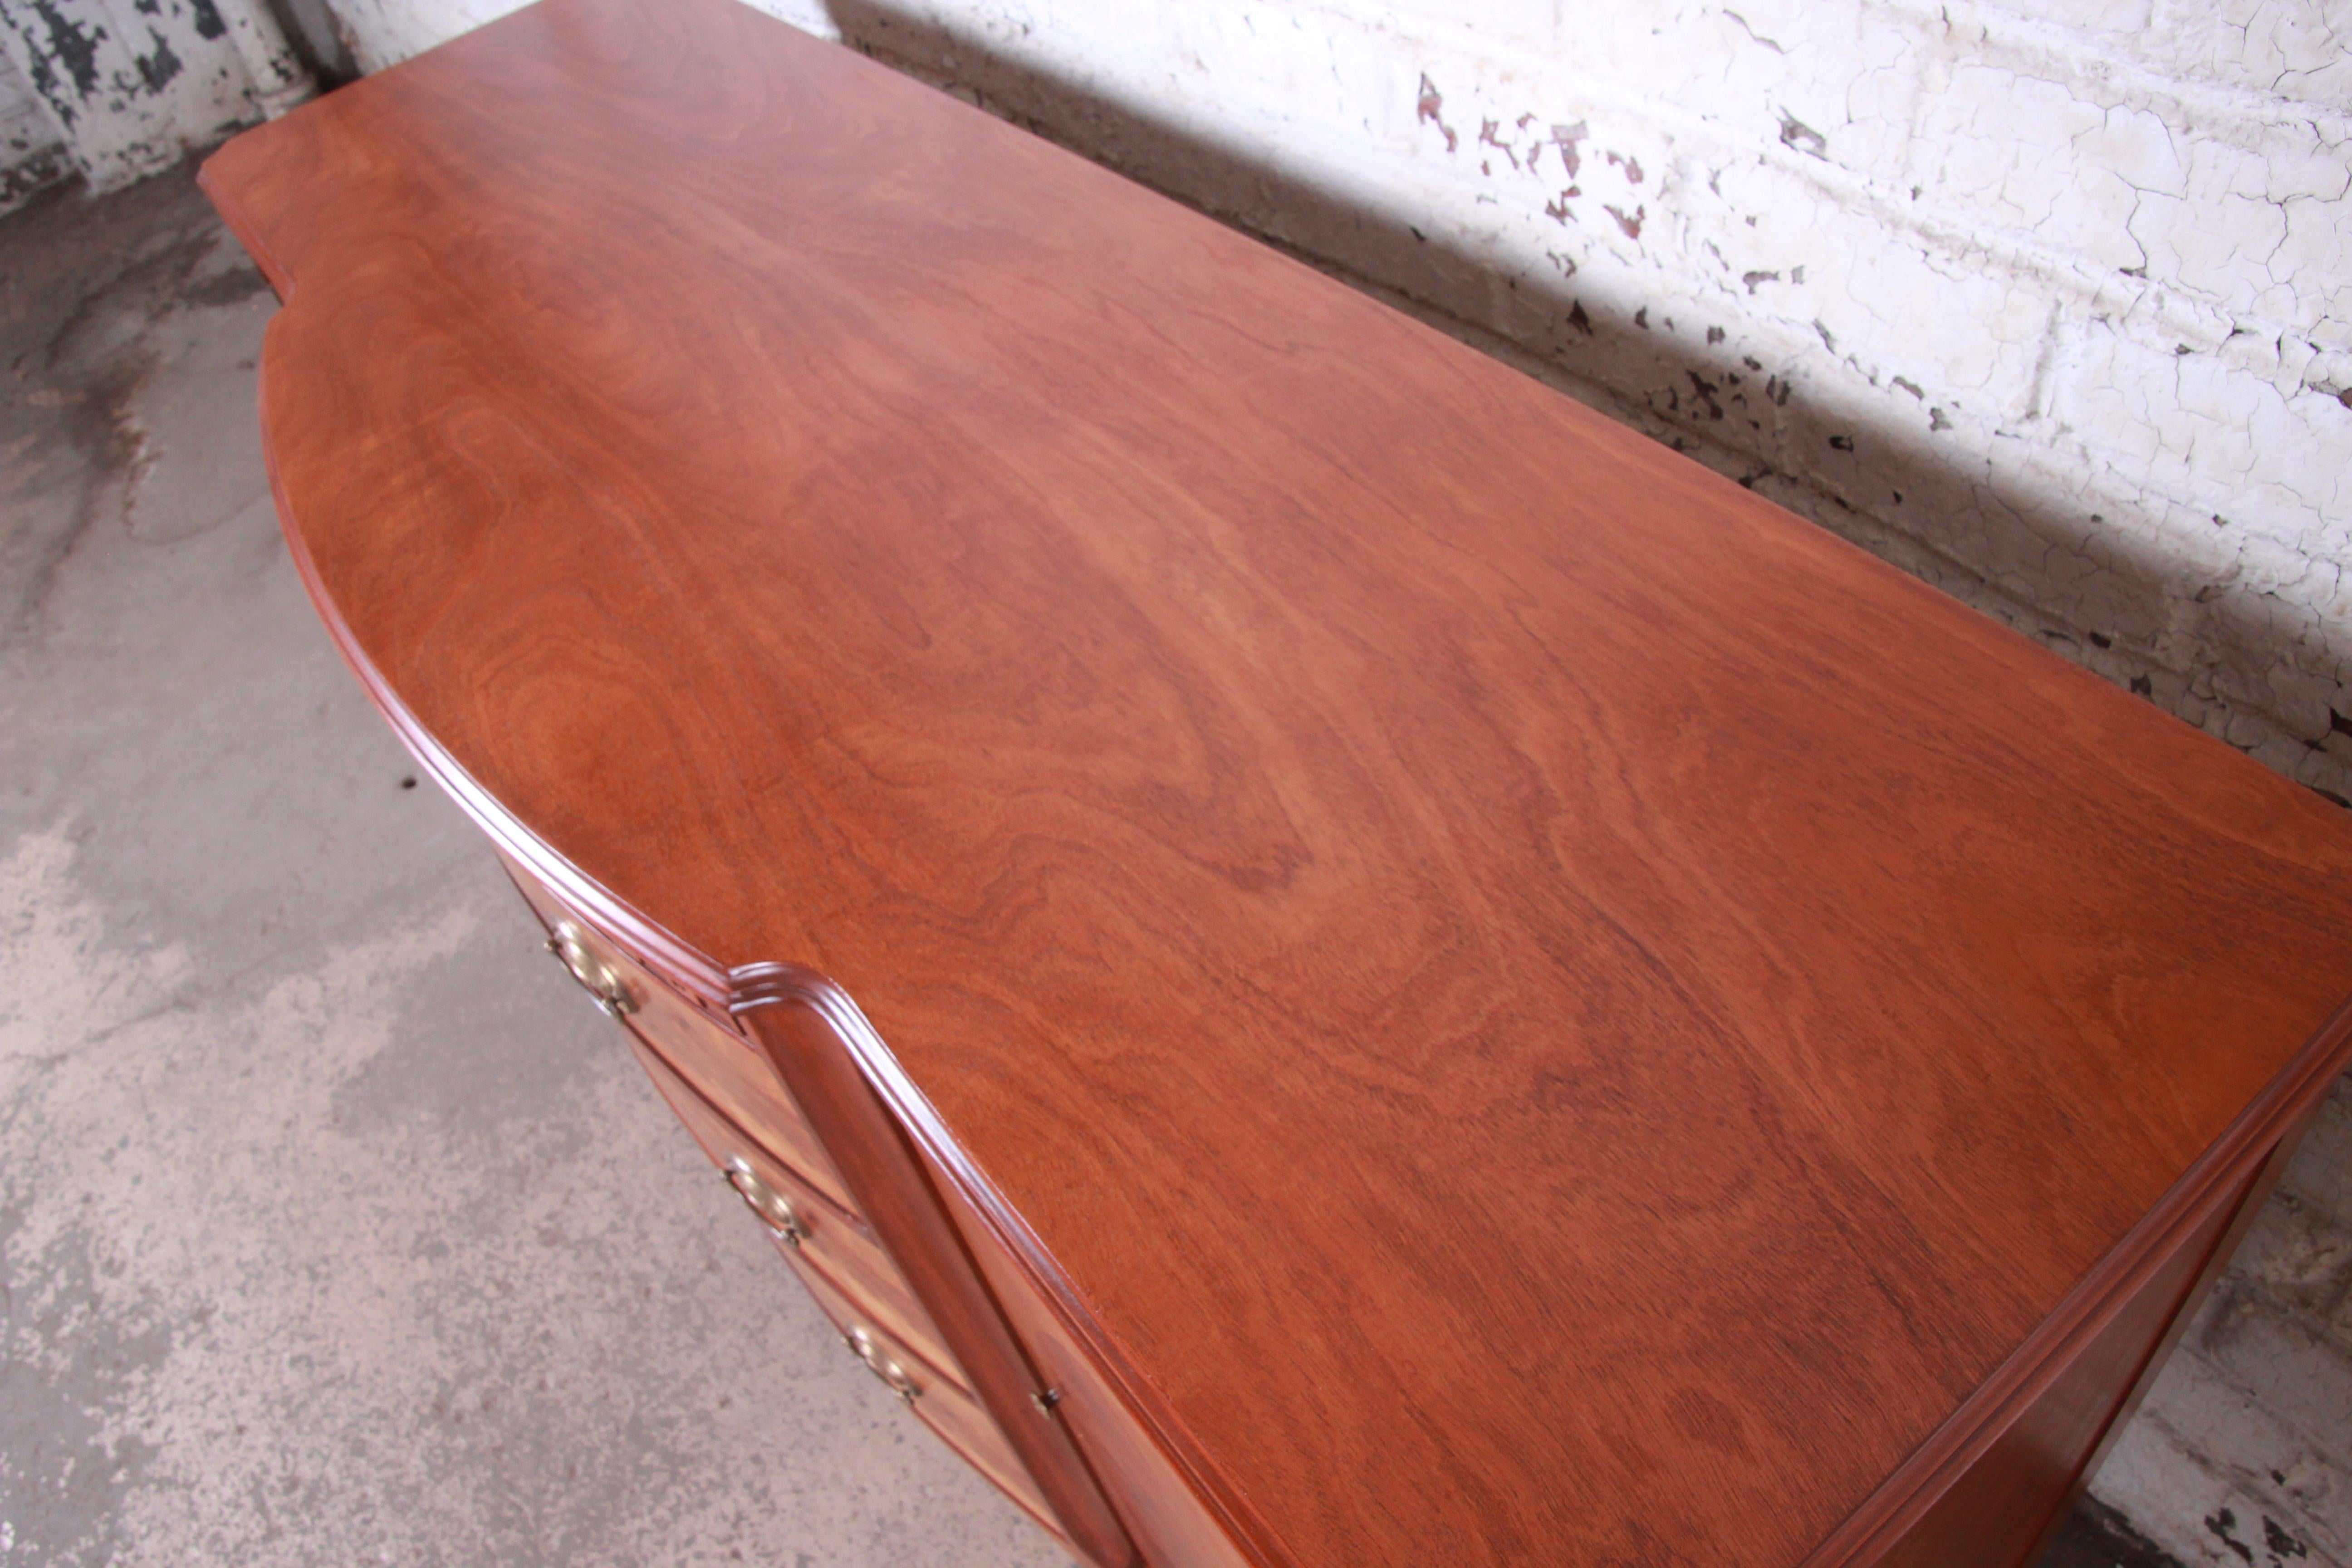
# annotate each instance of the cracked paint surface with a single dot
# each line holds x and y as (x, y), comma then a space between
(32, 149)
(127, 87)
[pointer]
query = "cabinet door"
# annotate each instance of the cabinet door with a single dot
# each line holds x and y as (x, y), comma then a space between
(807, 1029)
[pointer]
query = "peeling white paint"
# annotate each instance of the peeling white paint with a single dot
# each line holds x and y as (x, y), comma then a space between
(133, 84)
(32, 149)
(386, 32)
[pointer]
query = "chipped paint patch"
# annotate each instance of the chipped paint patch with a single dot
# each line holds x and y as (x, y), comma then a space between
(33, 154)
(132, 85)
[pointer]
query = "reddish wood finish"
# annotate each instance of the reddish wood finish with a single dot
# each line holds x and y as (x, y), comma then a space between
(1513, 1001)
(1980, 1522)
(722, 1066)
(2250, 1208)
(788, 1014)
(944, 1405)
(1173, 1515)
(837, 1244)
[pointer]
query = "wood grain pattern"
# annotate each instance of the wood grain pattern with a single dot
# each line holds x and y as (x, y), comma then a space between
(2000, 1512)
(1539, 1008)
(2250, 1210)
(1150, 1474)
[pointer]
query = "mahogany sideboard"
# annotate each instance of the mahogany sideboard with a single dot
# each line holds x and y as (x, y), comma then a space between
(1321, 956)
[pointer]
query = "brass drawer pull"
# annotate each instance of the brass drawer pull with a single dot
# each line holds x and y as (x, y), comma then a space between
(881, 1363)
(773, 1206)
(599, 979)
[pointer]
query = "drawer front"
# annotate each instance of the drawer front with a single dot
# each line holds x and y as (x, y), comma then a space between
(729, 1073)
(724, 1067)
(942, 1402)
(828, 1236)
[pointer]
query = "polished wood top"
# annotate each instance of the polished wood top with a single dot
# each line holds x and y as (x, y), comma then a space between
(1553, 1011)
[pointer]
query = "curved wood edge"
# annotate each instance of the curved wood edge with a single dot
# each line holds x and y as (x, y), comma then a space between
(764, 985)
(749, 987)
(2216, 1179)
(616, 918)
(281, 283)
(2250, 1206)
(800, 1025)
(613, 916)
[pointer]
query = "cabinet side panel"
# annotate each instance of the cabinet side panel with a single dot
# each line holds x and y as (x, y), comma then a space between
(1999, 1514)
(2250, 1208)
(1170, 1526)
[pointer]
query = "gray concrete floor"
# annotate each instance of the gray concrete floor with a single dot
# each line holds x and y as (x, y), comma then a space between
(333, 1226)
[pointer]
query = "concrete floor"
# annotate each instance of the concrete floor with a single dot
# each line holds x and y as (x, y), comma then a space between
(334, 1227)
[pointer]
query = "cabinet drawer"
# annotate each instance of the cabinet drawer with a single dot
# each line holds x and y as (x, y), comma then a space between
(833, 1239)
(942, 1402)
(724, 1067)
(729, 1073)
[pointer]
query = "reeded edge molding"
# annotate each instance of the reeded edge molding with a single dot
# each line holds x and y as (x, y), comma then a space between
(772, 984)
(1898, 1503)
(1931, 1469)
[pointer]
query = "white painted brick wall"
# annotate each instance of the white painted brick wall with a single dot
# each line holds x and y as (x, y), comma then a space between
(132, 85)
(2049, 303)
(385, 32)
(32, 149)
